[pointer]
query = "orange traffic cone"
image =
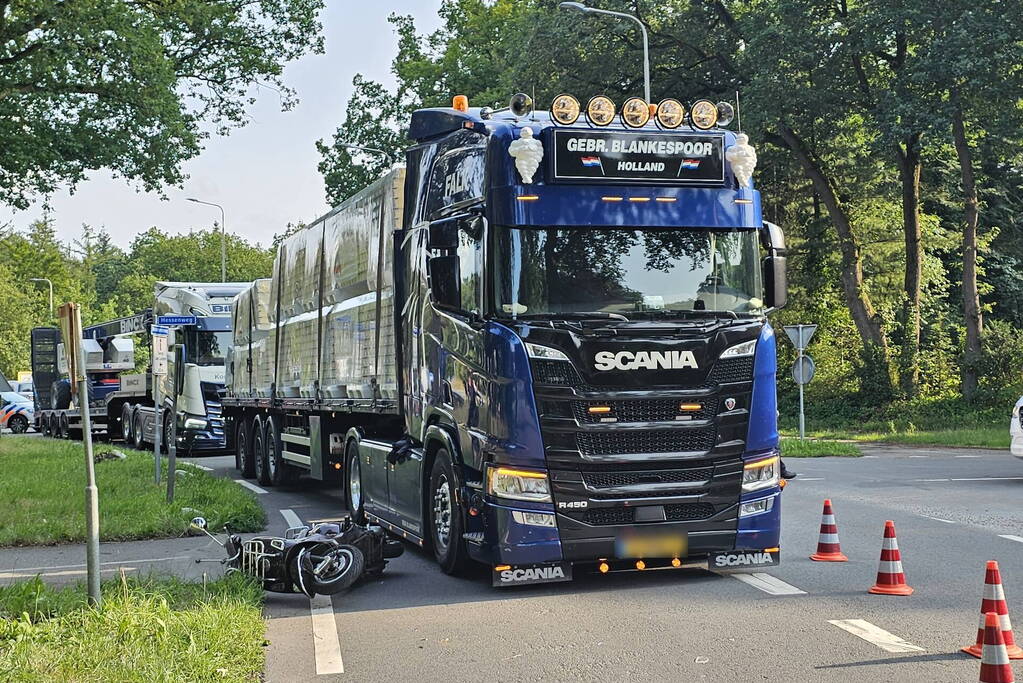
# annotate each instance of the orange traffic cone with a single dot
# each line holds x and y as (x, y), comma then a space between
(994, 663)
(994, 601)
(890, 578)
(828, 547)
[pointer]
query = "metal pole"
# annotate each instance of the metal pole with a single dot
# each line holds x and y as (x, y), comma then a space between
(158, 430)
(802, 422)
(578, 6)
(223, 236)
(172, 447)
(91, 492)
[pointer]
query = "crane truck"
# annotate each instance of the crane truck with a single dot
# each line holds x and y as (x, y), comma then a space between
(122, 400)
(541, 344)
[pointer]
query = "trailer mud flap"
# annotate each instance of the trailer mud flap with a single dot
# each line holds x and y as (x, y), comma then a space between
(504, 575)
(741, 559)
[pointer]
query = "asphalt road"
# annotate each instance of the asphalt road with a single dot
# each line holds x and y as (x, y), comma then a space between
(953, 509)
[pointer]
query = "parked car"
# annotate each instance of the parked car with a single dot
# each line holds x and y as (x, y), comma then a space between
(24, 388)
(16, 412)
(1016, 429)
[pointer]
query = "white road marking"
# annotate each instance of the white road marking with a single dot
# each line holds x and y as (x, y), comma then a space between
(976, 479)
(325, 641)
(25, 574)
(291, 518)
(102, 564)
(1010, 537)
(889, 642)
(202, 467)
(919, 456)
(251, 487)
(870, 456)
(939, 519)
(811, 478)
(769, 584)
(966, 456)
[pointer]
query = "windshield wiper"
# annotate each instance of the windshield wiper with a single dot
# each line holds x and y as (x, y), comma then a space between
(573, 315)
(661, 313)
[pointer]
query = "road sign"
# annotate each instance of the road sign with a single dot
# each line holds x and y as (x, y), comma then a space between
(176, 320)
(800, 335)
(803, 369)
(159, 350)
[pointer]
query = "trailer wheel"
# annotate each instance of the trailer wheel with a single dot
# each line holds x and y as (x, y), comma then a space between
(353, 484)
(126, 434)
(138, 431)
(261, 469)
(243, 448)
(446, 517)
(280, 472)
(62, 427)
(44, 425)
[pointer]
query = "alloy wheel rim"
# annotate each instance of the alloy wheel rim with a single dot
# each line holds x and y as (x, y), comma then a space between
(355, 483)
(442, 511)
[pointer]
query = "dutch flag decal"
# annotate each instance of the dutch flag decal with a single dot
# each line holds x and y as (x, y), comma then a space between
(590, 161)
(690, 164)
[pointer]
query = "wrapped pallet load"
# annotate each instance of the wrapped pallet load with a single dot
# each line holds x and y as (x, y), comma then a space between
(328, 306)
(248, 367)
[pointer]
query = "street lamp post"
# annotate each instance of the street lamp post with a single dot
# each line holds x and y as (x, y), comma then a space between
(48, 282)
(580, 7)
(372, 150)
(223, 236)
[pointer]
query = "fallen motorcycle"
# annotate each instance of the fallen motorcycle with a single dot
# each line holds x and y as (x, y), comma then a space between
(324, 558)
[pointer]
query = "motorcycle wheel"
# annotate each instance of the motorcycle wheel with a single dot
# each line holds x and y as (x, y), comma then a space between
(345, 568)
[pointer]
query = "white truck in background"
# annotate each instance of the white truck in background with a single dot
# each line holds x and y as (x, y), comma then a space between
(122, 400)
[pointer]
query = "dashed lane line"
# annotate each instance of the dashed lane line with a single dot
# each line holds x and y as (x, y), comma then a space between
(326, 644)
(967, 456)
(875, 635)
(768, 584)
(973, 479)
(291, 518)
(811, 479)
(1010, 537)
(939, 519)
(251, 487)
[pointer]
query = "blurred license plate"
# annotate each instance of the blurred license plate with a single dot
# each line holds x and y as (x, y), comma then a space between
(651, 543)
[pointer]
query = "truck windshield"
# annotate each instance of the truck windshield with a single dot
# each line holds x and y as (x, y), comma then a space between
(625, 271)
(207, 348)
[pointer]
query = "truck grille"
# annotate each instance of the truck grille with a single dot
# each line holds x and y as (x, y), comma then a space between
(644, 410)
(652, 441)
(733, 370)
(554, 372)
(606, 480)
(625, 515)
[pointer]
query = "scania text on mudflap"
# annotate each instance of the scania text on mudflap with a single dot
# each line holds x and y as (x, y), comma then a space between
(544, 334)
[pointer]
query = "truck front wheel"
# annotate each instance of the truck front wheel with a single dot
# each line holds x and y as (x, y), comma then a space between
(126, 435)
(446, 516)
(353, 484)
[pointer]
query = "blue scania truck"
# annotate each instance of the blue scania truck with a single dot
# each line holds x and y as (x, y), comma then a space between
(541, 344)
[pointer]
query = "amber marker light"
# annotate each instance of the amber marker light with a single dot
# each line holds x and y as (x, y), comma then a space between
(598, 409)
(639, 199)
(612, 199)
(676, 563)
(528, 197)
(640, 565)
(337, 466)
(771, 550)
(502, 567)
(604, 567)
(460, 103)
(666, 199)
(691, 406)
(743, 201)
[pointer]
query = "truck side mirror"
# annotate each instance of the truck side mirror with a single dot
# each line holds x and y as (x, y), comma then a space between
(445, 283)
(775, 266)
(443, 234)
(179, 368)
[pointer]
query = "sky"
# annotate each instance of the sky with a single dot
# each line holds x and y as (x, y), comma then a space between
(264, 175)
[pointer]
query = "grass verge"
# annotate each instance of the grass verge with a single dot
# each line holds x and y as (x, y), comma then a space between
(972, 437)
(817, 448)
(42, 496)
(146, 630)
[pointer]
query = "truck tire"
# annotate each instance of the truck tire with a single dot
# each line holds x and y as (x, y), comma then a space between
(63, 428)
(126, 433)
(260, 466)
(353, 484)
(280, 472)
(44, 425)
(243, 448)
(18, 424)
(60, 395)
(138, 431)
(446, 517)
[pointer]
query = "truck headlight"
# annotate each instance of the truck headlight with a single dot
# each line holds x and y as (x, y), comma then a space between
(505, 482)
(744, 349)
(194, 423)
(761, 474)
(544, 352)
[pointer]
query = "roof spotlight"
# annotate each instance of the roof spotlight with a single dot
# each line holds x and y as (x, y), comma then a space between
(521, 104)
(635, 112)
(726, 112)
(565, 109)
(703, 114)
(600, 110)
(670, 113)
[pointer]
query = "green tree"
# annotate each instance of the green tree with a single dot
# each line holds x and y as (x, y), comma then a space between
(133, 86)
